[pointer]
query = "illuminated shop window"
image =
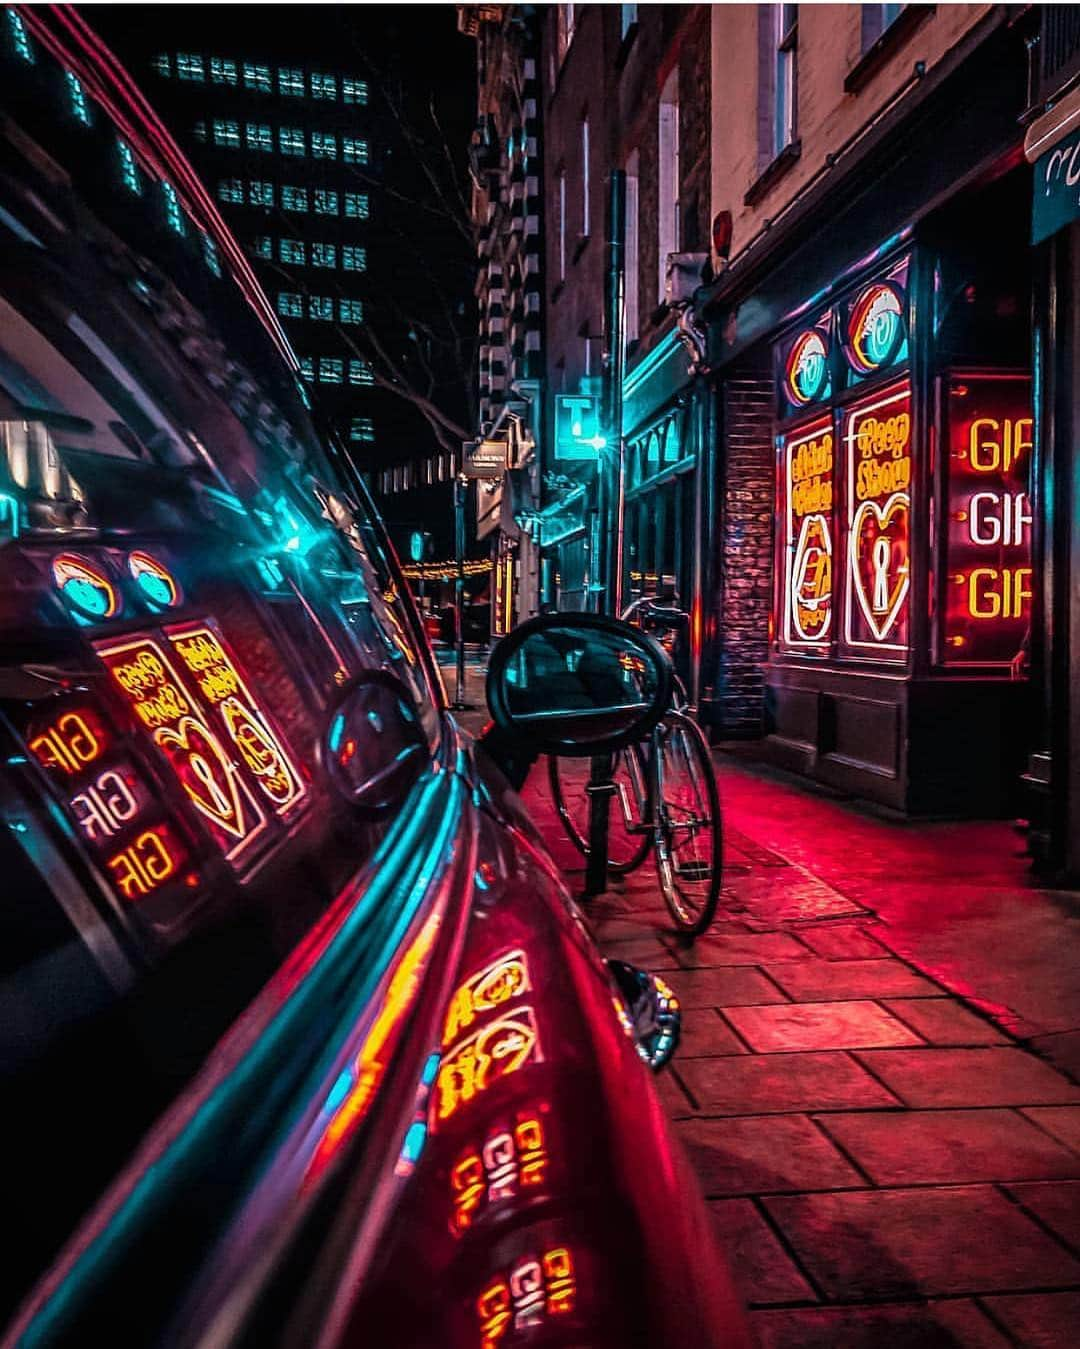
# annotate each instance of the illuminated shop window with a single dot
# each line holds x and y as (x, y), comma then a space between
(330, 370)
(326, 201)
(190, 67)
(324, 87)
(257, 78)
(222, 72)
(77, 94)
(263, 246)
(356, 205)
(324, 145)
(259, 137)
(321, 307)
(260, 192)
(362, 429)
(291, 141)
(173, 214)
(360, 373)
(350, 311)
(210, 255)
(323, 255)
(807, 460)
(354, 91)
(226, 133)
(290, 82)
(294, 199)
(307, 368)
(353, 258)
(231, 190)
(129, 170)
(290, 305)
(160, 63)
(292, 250)
(354, 151)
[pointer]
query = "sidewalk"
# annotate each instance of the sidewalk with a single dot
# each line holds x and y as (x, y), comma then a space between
(865, 1081)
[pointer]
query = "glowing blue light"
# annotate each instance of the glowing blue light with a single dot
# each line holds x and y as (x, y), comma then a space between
(414, 1141)
(339, 1091)
(337, 730)
(430, 1069)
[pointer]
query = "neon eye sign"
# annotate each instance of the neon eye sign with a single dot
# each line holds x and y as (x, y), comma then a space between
(875, 327)
(156, 584)
(85, 588)
(806, 371)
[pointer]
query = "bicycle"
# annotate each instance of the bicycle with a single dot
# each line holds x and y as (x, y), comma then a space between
(665, 799)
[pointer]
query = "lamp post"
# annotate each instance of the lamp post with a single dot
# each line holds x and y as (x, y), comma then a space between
(461, 484)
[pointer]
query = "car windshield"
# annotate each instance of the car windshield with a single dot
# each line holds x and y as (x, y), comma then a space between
(186, 584)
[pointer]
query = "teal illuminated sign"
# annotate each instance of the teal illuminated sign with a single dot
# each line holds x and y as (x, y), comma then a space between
(1056, 200)
(577, 426)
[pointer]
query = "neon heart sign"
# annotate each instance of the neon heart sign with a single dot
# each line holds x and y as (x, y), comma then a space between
(879, 561)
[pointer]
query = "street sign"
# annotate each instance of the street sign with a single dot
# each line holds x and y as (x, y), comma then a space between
(484, 459)
(1057, 194)
(577, 426)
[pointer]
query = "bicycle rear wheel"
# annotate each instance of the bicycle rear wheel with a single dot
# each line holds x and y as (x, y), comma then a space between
(570, 777)
(687, 826)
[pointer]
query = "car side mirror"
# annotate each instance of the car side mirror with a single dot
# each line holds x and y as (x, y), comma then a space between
(654, 1017)
(373, 747)
(577, 685)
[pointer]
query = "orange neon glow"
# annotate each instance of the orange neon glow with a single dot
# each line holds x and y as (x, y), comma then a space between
(71, 742)
(85, 586)
(505, 978)
(527, 1295)
(511, 1159)
(493, 1052)
(147, 863)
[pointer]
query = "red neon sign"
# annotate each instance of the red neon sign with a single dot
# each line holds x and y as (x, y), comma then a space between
(148, 862)
(71, 741)
(988, 574)
(877, 444)
(527, 1295)
(807, 576)
(512, 1159)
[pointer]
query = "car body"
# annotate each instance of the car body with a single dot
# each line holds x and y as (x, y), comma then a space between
(284, 1067)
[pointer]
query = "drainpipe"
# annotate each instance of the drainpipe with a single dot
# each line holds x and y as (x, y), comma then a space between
(614, 374)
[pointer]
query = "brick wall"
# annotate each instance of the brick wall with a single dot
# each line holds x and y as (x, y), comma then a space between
(745, 571)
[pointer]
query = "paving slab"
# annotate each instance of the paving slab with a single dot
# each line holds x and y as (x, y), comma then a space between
(943, 1021)
(819, 1025)
(842, 941)
(889, 1243)
(747, 948)
(1056, 1203)
(705, 1033)
(1062, 1049)
(932, 1078)
(954, 1324)
(762, 1155)
(817, 980)
(730, 986)
(1039, 1320)
(757, 1084)
(764, 1272)
(793, 896)
(677, 1104)
(1061, 1121)
(929, 1147)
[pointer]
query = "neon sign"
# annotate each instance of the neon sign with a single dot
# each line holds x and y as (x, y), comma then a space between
(988, 574)
(494, 1052)
(110, 802)
(807, 508)
(156, 584)
(511, 1159)
(877, 439)
(497, 983)
(147, 863)
(71, 742)
(806, 370)
(875, 327)
(85, 588)
(531, 1292)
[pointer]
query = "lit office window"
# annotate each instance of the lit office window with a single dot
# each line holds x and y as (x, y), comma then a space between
(354, 91)
(190, 67)
(324, 87)
(354, 151)
(290, 305)
(129, 170)
(210, 255)
(362, 429)
(77, 94)
(199, 132)
(20, 39)
(291, 141)
(323, 145)
(326, 201)
(263, 246)
(259, 137)
(173, 213)
(307, 368)
(356, 205)
(353, 259)
(324, 255)
(350, 311)
(260, 193)
(160, 63)
(231, 190)
(222, 72)
(321, 307)
(257, 78)
(294, 199)
(290, 82)
(360, 373)
(292, 250)
(226, 133)
(330, 370)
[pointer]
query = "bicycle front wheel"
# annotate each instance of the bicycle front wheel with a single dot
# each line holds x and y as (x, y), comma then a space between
(686, 819)
(628, 838)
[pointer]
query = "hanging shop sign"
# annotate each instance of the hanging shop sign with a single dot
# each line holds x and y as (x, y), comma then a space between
(807, 506)
(988, 574)
(877, 451)
(577, 426)
(806, 375)
(1056, 200)
(484, 459)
